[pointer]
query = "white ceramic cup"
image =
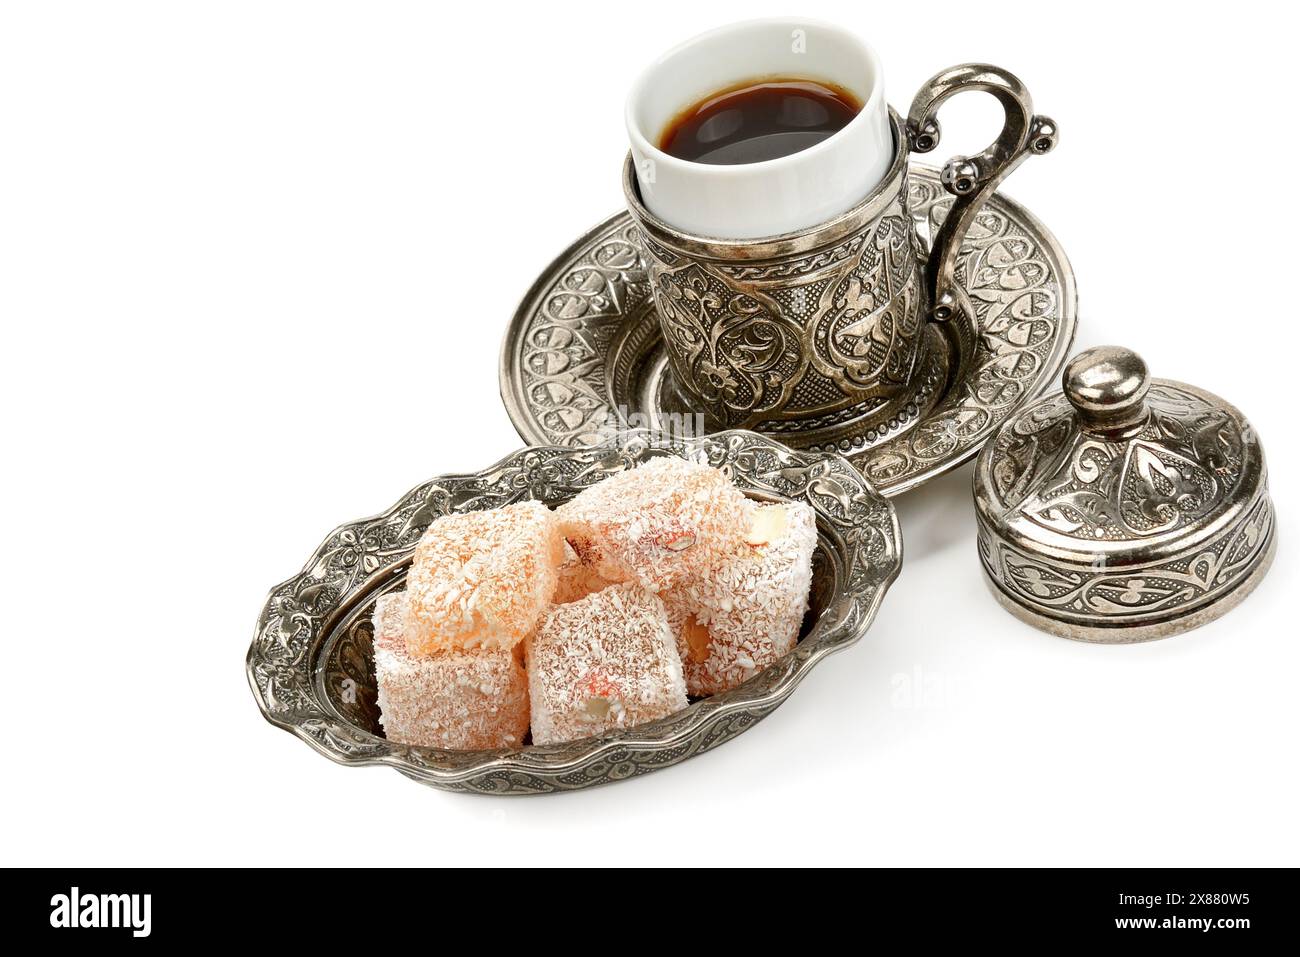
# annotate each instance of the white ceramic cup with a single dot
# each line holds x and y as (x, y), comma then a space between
(756, 200)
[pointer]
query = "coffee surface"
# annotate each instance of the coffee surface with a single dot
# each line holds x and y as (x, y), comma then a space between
(759, 120)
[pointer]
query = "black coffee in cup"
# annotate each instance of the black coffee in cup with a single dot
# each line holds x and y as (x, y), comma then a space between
(759, 120)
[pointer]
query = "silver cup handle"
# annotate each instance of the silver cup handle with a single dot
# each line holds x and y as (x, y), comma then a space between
(971, 179)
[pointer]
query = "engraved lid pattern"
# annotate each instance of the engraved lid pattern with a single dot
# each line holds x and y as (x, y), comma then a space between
(1182, 463)
(1124, 501)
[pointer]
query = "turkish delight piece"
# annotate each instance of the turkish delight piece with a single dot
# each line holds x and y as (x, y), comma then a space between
(603, 662)
(746, 614)
(482, 579)
(460, 700)
(659, 524)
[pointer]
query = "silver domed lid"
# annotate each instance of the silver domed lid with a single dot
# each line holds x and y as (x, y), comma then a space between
(1124, 508)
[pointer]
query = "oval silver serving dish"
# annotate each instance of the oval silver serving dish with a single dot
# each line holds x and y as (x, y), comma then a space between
(311, 666)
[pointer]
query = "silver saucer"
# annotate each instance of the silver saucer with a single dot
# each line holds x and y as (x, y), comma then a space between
(582, 357)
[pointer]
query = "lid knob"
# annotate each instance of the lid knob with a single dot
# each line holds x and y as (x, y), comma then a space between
(1108, 387)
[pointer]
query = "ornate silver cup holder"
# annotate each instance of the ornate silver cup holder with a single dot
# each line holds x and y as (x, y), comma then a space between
(583, 356)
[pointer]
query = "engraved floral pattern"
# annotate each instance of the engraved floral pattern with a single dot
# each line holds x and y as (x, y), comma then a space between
(736, 345)
(1162, 478)
(560, 365)
(317, 622)
(869, 332)
(1133, 594)
(852, 311)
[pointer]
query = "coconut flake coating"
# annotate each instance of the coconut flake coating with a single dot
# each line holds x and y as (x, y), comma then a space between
(604, 662)
(460, 700)
(482, 579)
(659, 524)
(747, 614)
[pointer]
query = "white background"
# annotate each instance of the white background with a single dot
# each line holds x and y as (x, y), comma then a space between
(255, 264)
